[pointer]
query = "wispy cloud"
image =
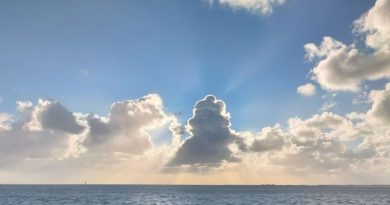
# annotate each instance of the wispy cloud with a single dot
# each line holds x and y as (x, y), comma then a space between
(327, 106)
(263, 7)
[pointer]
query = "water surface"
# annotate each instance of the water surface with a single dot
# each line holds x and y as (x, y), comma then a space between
(170, 194)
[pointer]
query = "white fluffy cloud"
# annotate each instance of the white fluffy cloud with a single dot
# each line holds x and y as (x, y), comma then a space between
(48, 130)
(255, 6)
(344, 67)
(375, 25)
(334, 144)
(307, 90)
(322, 145)
(269, 139)
(30, 135)
(380, 110)
(126, 127)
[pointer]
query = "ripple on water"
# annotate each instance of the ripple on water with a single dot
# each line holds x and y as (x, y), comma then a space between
(188, 195)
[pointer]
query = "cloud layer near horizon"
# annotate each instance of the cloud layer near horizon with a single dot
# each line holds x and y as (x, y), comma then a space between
(327, 143)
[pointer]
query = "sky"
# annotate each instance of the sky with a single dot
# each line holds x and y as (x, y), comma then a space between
(195, 92)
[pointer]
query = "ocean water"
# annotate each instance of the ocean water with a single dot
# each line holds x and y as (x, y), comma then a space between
(167, 194)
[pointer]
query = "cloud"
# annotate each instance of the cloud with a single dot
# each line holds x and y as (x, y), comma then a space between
(345, 67)
(306, 90)
(29, 136)
(269, 139)
(255, 6)
(375, 26)
(318, 124)
(52, 115)
(49, 131)
(326, 143)
(380, 110)
(125, 129)
(210, 136)
(321, 144)
(333, 144)
(327, 106)
(4, 121)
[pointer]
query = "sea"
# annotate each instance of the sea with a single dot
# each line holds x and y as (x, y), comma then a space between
(192, 194)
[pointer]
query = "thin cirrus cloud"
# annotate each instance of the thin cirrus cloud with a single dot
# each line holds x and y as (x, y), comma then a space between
(263, 7)
(342, 67)
(327, 106)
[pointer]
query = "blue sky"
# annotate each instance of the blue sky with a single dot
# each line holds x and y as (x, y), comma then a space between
(306, 84)
(181, 50)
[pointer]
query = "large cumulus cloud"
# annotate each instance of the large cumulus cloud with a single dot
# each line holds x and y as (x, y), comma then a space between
(210, 136)
(125, 129)
(375, 26)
